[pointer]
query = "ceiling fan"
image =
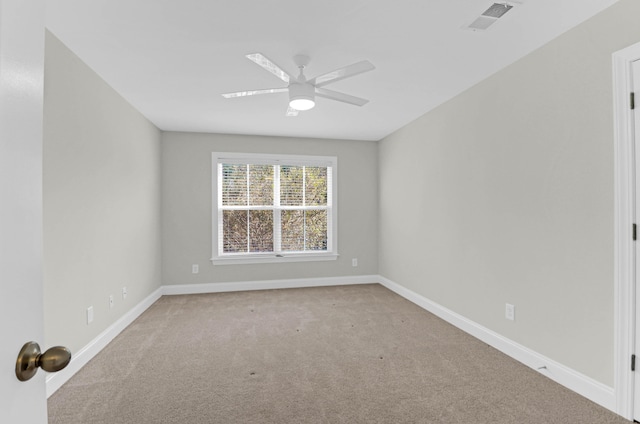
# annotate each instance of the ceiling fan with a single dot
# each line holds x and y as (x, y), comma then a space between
(302, 92)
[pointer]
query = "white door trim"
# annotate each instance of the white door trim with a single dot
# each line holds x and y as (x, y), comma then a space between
(624, 265)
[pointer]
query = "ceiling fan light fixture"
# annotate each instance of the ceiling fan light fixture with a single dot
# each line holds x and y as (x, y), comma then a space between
(302, 104)
(303, 92)
(302, 96)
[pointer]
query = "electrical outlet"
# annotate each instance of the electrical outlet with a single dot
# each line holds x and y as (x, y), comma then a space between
(111, 301)
(89, 315)
(354, 262)
(124, 293)
(510, 312)
(195, 269)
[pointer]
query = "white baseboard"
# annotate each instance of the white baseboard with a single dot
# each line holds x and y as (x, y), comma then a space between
(591, 389)
(573, 380)
(268, 284)
(80, 359)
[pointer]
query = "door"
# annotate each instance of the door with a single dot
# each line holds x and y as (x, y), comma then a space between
(635, 84)
(21, 291)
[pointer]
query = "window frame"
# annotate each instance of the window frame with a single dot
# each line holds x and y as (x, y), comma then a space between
(219, 258)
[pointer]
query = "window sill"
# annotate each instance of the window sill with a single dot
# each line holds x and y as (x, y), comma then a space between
(268, 259)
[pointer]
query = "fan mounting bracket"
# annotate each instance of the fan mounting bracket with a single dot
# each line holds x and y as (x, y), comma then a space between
(301, 60)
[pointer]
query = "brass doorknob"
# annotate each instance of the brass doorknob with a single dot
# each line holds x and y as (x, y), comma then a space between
(30, 358)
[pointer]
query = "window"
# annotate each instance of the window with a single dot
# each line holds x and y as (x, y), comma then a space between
(273, 208)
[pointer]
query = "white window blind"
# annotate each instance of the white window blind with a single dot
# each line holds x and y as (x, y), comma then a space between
(269, 206)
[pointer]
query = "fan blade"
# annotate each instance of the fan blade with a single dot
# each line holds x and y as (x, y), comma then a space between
(292, 112)
(341, 97)
(269, 66)
(342, 73)
(254, 92)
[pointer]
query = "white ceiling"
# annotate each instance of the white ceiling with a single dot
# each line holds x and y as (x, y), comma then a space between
(172, 59)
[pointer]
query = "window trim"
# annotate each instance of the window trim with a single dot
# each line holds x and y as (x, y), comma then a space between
(270, 257)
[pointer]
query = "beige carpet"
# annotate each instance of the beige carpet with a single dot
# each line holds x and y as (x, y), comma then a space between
(351, 354)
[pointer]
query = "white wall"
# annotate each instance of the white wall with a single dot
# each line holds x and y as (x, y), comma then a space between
(186, 207)
(101, 201)
(508, 195)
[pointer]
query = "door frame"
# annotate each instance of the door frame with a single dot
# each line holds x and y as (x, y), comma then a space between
(624, 218)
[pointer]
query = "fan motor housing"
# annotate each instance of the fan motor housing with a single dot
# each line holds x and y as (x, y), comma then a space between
(301, 95)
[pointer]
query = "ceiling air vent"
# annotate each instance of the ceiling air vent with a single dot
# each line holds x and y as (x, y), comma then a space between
(490, 16)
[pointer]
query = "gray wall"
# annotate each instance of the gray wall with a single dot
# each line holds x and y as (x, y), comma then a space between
(101, 201)
(505, 194)
(186, 207)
